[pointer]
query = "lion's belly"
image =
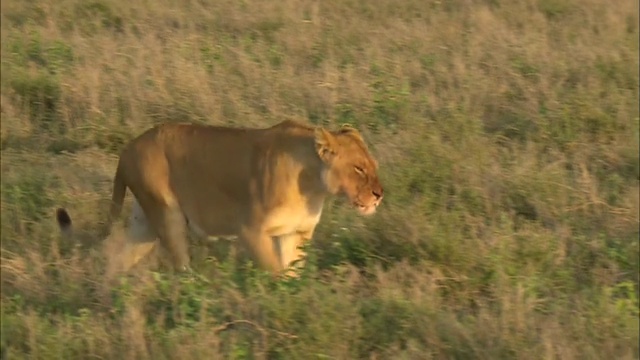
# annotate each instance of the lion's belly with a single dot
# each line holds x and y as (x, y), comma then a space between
(212, 223)
(213, 212)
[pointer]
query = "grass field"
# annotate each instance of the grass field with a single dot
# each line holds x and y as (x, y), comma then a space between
(508, 139)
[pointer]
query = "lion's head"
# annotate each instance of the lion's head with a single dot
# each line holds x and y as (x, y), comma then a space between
(349, 168)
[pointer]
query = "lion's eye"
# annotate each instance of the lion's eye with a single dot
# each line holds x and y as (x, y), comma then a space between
(359, 170)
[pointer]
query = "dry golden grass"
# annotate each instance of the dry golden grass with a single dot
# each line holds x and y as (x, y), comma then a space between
(508, 141)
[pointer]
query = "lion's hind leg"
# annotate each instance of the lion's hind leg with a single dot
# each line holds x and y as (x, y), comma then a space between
(141, 238)
(126, 249)
(169, 224)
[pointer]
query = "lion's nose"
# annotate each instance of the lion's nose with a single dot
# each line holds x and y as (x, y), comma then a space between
(378, 193)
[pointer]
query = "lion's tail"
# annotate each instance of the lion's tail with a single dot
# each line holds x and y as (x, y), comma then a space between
(117, 200)
(117, 197)
(64, 220)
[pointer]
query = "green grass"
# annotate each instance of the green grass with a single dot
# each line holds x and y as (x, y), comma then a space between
(507, 134)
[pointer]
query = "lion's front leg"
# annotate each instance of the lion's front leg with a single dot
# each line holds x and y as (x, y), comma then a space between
(292, 255)
(260, 245)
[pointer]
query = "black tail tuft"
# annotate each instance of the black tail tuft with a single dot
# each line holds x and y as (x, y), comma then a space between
(64, 220)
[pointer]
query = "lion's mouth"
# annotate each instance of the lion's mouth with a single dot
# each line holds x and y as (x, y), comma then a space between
(366, 209)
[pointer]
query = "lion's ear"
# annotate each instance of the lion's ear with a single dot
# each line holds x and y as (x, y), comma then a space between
(325, 144)
(351, 131)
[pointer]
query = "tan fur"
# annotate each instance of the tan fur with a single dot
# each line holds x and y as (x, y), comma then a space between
(266, 186)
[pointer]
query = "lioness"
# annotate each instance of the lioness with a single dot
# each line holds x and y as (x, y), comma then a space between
(266, 186)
